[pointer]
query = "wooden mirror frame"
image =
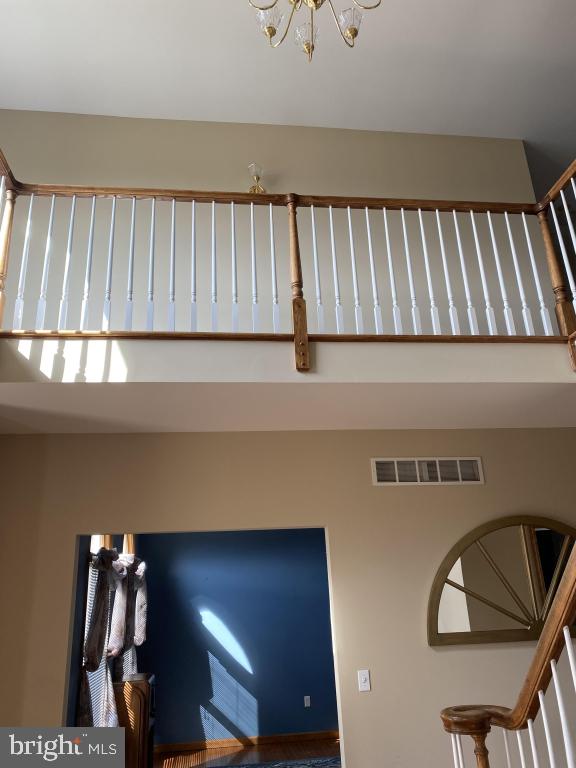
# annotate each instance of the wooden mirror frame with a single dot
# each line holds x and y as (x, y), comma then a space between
(533, 573)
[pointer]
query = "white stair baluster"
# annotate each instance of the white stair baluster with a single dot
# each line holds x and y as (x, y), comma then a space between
(254, 271)
(214, 275)
(2, 193)
(571, 657)
(108, 290)
(357, 306)
(521, 749)
(416, 323)
(235, 307)
(508, 316)
(396, 314)
(435, 316)
(490, 316)
(533, 747)
(566, 260)
(460, 752)
(19, 304)
(172, 274)
(526, 314)
(454, 751)
(549, 742)
(569, 219)
(63, 311)
(151, 257)
(84, 310)
(452, 310)
(375, 296)
(275, 305)
(193, 288)
(544, 313)
(471, 311)
(130, 282)
(41, 309)
(507, 748)
(319, 305)
(339, 310)
(564, 722)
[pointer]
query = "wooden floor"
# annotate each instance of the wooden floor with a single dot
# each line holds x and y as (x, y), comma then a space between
(242, 755)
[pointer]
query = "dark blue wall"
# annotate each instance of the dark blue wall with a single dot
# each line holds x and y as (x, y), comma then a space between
(238, 633)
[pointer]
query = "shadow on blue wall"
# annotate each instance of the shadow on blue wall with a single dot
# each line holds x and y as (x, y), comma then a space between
(238, 634)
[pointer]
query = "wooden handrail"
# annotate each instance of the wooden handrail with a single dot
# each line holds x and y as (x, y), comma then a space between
(555, 189)
(477, 719)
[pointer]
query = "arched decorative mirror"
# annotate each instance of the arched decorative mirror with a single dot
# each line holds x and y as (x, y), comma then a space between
(497, 583)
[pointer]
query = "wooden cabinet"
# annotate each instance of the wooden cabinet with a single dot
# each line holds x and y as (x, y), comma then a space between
(135, 704)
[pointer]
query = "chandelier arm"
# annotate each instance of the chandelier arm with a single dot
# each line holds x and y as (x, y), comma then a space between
(349, 43)
(295, 7)
(367, 7)
(263, 7)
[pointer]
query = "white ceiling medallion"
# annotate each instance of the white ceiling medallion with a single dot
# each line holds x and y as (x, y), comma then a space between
(270, 19)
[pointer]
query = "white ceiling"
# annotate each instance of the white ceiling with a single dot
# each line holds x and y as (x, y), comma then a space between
(446, 66)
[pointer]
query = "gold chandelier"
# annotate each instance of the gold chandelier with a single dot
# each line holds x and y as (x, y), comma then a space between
(270, 19)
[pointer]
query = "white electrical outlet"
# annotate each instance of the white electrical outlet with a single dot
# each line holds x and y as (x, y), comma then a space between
(364, 680)
(307, 701)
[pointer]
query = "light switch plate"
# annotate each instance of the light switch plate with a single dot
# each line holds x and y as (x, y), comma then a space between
(307, 701)
(364, 680)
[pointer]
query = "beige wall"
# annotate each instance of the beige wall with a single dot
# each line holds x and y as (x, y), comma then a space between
(85, 149)
(384, 547)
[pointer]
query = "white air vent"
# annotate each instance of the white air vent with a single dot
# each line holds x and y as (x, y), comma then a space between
(434, 471)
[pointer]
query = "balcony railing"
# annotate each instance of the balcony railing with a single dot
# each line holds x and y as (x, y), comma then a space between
(99, 261)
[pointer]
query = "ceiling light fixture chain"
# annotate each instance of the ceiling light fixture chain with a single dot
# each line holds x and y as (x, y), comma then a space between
(270, 19)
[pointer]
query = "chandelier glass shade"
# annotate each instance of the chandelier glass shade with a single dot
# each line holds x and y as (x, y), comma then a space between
(276, 24)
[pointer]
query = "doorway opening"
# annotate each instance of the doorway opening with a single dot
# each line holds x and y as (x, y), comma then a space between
(238, 652)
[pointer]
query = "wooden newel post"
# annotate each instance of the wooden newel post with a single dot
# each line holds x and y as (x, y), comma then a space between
(480, 750)
(299, 319)
(5, 236)
(564, 309)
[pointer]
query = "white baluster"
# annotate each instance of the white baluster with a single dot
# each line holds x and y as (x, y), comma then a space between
(452, 311)
(549, 742)
(172, 275)
(507, 748)
(41, 309)
(535, 758)
(130, 288)
(319, 305)
(526, 314)
(565, 259)
(573, 187)
(339, 310)
(2, 193)
(454, 751)
(460, 752)
(521, 749)
(435, 316)
(275, 305)
(564, 722)
(84, 310)
(508, 316)
(490, 316)
(416, 323)
(471, 311)
(376, 298)
(19, 304)
(63, 311)
(254, 271)
(193, 289)
(214, 275)
(544, 313)
(151, 257)
(569, 218)
(108, 289)
(396, 314)
(571, 657)
(235, 307)
(357, 307)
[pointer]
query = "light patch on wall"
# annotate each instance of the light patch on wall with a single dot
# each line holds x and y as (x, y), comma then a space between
(49, 352)
(25, 348)
(222, 634)
(232, 700)
(212, 728)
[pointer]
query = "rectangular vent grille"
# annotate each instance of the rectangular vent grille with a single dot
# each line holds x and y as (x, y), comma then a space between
(434, 471)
